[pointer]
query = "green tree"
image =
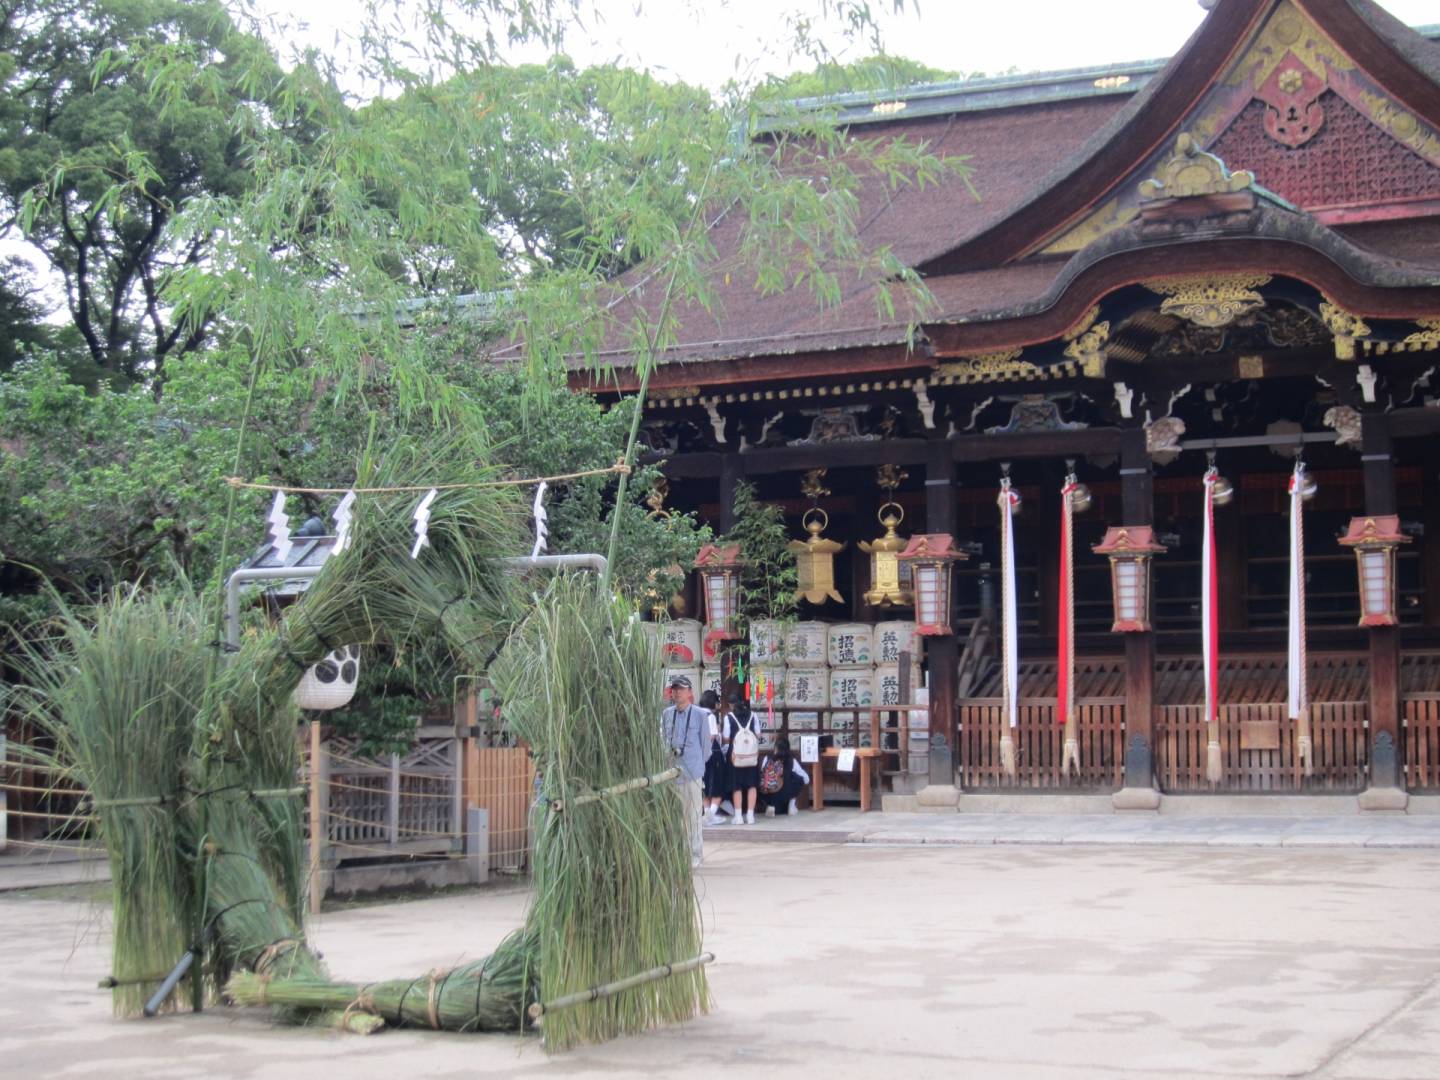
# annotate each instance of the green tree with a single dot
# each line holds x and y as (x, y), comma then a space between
(94, 171)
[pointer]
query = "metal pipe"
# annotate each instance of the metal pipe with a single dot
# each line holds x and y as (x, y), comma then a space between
(177, 973)
(309, 573)
(561, 562)
(1259, 440)
(257, 573)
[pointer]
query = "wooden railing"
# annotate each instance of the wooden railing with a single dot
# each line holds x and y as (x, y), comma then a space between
(1259, 748)
(1421, 715)
(1039, 745)
(402, 804)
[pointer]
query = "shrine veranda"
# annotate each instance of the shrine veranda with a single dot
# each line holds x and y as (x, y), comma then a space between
(1229, 259)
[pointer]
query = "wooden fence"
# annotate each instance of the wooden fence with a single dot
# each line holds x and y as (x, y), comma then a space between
(1421, 717)
(501, 780)
(1040, 743)
(1259, 747)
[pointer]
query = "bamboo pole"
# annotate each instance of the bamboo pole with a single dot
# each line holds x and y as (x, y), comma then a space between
(595, 993)
(317, 817)
(638, 784)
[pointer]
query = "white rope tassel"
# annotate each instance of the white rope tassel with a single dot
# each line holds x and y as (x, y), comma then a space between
(542, 526)
(1071, 755)
(1010, 651)
(1297, 662)
(1214, 762)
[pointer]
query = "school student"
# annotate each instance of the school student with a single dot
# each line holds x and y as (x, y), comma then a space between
(717, 766)
(782, 778)
(744, 729)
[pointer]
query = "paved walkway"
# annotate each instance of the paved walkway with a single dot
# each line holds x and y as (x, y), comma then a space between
(834, 825)
(20, 869)
(865, 961)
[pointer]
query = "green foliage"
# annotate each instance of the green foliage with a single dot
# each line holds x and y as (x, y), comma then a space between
(873, 73)
(95, 171)
(769, 576)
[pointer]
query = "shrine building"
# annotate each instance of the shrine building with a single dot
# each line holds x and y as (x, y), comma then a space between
(1177, 290)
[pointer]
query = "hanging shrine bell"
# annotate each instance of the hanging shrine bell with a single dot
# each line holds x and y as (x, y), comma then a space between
(886, 586)
(931, 557)
(1375, 541)
(1130, 547)
(815, 560)
(720, 575)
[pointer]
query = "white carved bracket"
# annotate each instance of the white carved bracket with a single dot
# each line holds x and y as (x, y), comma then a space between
(1366, 378)
(716, 421)
(1124, 397)
(927, 407)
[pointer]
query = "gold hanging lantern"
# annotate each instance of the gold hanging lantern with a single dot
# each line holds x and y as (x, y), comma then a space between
(815, 560)
(886, 588)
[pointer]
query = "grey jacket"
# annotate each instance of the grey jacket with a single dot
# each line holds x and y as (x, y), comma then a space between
(687, 733)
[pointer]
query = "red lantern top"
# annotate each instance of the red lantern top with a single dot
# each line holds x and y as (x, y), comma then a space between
(931, 546)
(1129, 540)
(1381, 530)
(715, 555)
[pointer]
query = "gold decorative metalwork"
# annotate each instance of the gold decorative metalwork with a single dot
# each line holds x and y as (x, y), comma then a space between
(1402, 125)
(1002, 366)
(1251, 367)
(1345, 327)
(659, 491)
(815, 558)
(1287, 33)
(1113, 215)
(1426, 339)
(1087, 345)
(890, 477)
(812, 486)
(1211, 301)
(885, 585)
(674, 393)
(1191, 171)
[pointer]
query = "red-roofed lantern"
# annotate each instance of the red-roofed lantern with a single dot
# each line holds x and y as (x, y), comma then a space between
(1130, 547)
(930, 557)
(1375, 540)
(720, 575)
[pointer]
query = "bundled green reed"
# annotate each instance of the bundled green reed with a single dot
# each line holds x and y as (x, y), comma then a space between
(118, 691)
(488, 995)
(614, 892)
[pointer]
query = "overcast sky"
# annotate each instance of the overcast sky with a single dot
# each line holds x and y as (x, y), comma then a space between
(701, 41)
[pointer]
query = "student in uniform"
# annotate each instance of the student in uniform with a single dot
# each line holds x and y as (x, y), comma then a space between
(782, 778)
(743, 730)
(717, 766)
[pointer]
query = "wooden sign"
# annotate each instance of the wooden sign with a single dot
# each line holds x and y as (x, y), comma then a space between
(1259, 735)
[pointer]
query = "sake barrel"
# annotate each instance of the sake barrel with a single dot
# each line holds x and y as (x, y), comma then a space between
(807, 687)
(806, 644)
(887, 684)
(919, 764)
(852, 688)
(711, 678)
(691, 673)
(803, 721)
(893, 638)
(655, 635)
(681, 641)
(850, 644)
(710, 647)
(767, 642)
(772, 676)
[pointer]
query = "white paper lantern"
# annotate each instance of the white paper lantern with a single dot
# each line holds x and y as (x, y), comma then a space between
(330, 684)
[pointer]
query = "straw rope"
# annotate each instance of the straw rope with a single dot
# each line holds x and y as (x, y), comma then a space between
(619, 468)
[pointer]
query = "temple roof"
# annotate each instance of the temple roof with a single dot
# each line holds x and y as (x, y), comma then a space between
(1329, 110)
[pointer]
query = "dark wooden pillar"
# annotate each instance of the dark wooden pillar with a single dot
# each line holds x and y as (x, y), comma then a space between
(1230, 562)
(1047, 565)
(943, 653)
(1137, 499)
(1430, 545)
(1386, 753)
(730, 475)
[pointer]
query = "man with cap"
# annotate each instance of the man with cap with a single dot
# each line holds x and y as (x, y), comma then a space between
(687, 731)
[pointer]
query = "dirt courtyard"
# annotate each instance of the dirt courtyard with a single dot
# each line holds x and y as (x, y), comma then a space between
(866, 961)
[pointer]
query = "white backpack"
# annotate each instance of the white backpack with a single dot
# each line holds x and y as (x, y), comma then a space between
(745, 749)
